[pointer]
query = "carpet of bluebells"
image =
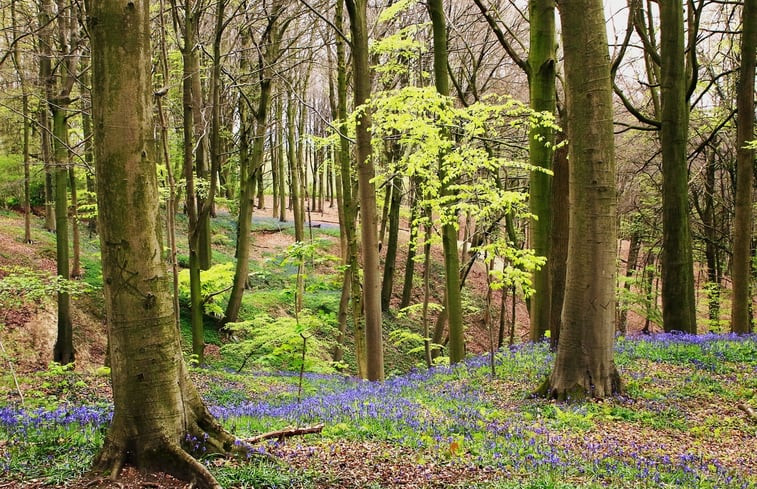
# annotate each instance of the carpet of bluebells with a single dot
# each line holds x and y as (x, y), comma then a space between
(677, 424)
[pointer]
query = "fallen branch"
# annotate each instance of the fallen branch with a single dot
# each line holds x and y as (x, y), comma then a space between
(285, 433)
(750, 411)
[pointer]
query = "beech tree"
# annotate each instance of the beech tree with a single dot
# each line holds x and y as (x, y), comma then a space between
(741, 321)
(366, 192)
(584, 363)
(156, 406)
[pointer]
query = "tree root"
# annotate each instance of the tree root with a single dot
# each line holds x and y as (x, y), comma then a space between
(185, 467)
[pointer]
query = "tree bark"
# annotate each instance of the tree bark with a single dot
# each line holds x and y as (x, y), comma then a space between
(156, 406)
(390, 261)
(584, 363)
(541, 62)
(453, 306)
(741, 322)
(367, 193)
(678, 300)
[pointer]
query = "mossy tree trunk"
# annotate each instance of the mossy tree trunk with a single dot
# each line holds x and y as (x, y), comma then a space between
(156, 406)
(541, 78)
(367, 193)
(741, 321)
(584, 363)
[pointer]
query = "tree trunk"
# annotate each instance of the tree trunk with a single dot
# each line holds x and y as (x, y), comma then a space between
(255, 164)
(678, 300)
(75, 241)
(453, 306)
(280, 157)
(391, 245)
(18, 64)
(193, 204)
(64, 345)
(541, 62)
(741, 321)
(156, 406)
(584, 363)
(559, 245)
(367, 193)
(407, 284)
(294, 170)
(633, 258)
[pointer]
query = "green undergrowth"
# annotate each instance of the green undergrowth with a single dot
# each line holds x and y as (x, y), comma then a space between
(460, 418)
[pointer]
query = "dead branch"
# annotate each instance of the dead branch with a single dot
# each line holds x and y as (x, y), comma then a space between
(287, 432)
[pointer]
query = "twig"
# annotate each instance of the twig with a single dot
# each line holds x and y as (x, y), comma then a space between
(285, 433)
(750, 411)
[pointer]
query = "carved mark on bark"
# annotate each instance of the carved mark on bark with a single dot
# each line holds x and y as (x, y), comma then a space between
(125, 278)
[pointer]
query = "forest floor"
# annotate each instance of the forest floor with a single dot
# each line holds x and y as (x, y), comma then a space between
(682, 421)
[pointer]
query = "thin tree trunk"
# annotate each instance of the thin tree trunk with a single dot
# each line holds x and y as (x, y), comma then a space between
(391, 245)
(633, 258)
(64, 347)
(453, 306)
(75, 239)
(407, 285)
(294, 169)
(367, 193)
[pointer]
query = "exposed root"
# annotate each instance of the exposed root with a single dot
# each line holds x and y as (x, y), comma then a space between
(181, 465)
(582, 389)
(111, 459)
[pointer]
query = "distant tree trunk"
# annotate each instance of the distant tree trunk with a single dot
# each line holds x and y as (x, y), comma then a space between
(274, 175)
(64, 346)
(18, 64)
(678, 300)
(541, 62)
(633, 258)
(707, 214)
(294, 170)
(348, 204)
(75, 240)
(254, 166)
(280, 157)
(156, 405)
(193, 204)
(584, 363)
(367, 192)
(741, 321)
(27, 169)
(46, 78)
(200, 138)
(407, 285)
(453, 306)
(391, 245)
